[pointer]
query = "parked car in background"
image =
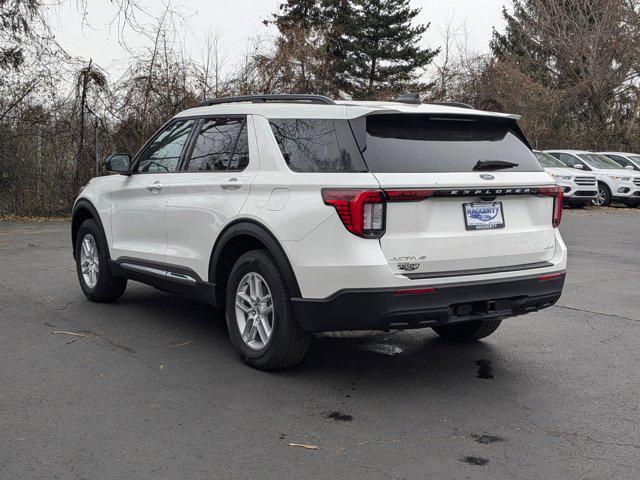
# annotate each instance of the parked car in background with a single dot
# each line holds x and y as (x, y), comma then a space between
(299, 215)
(630, 161)
(614, 182)
(580, 188)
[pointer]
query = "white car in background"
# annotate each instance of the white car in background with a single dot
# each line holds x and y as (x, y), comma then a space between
(630, 161)
(580, 188)
(614, 182)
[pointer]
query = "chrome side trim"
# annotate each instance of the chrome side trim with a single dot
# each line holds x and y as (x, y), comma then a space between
(179, 277)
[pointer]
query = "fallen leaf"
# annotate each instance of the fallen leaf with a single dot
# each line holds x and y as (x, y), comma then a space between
(302, 445)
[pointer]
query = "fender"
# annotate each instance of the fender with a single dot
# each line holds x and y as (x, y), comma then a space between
(84, 203)
(253, 229)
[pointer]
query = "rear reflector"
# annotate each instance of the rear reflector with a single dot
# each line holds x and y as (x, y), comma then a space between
(415, 291)
(551, 276)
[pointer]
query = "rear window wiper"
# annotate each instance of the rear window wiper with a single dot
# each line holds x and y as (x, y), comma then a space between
(493, 165)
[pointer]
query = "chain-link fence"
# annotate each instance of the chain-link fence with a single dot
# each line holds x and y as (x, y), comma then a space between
(42, 167)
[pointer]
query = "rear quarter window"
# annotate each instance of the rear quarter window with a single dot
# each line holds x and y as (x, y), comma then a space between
(414, 143)
(317, 145)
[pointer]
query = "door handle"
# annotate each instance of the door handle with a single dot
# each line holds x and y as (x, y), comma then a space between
(155, 186)
(232, 184)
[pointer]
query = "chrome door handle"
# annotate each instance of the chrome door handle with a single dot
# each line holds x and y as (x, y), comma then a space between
(155, 186)
(232, 184)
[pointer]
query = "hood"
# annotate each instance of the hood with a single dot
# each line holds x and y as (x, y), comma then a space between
(574, 172)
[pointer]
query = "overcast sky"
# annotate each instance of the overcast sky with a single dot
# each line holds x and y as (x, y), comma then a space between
(240, 19)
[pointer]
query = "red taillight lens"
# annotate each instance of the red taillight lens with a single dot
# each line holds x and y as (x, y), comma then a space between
(362, 211)
(408, 195)
(557, 193)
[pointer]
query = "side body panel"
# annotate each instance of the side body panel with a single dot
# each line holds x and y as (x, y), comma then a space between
(201, 204)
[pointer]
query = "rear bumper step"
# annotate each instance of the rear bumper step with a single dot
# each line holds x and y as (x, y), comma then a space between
(385, 309)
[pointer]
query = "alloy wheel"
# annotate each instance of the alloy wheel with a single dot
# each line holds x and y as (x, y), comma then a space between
(254, 311)
(89, 261)
(600, 197)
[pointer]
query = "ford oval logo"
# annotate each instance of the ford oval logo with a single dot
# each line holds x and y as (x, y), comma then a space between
(486, 176)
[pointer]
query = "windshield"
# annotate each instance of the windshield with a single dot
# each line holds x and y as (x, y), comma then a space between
(599, 161)
(416, 143)
(635, 159)
(548, 161)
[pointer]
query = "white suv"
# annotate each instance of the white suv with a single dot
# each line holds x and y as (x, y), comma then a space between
(628, 161)
(614, 182)
(298, 214)
(580, 189)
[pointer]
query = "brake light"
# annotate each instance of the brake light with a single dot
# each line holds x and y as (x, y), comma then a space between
(362, 211)
(408, 195)
(557, 193)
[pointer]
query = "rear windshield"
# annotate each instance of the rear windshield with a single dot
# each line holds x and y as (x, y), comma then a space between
(397, 143)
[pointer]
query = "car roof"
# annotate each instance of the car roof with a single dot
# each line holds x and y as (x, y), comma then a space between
(341, 110)
(575, 152)
(618, 153)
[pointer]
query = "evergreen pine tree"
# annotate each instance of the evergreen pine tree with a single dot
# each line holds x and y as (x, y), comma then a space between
(380, 49)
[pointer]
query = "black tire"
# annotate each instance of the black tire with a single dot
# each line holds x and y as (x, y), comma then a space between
(108, 287)
(288, 343)
(606, 194)
(468, 331)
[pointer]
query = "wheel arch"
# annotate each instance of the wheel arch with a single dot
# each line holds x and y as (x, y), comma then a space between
(238, 238)
(84, 210)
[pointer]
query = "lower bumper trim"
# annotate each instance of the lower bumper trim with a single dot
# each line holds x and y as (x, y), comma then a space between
(380, 309)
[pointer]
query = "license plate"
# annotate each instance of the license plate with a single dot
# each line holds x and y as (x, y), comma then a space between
(483, 216)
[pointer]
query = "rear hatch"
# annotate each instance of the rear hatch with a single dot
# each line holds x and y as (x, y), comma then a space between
(476, 206)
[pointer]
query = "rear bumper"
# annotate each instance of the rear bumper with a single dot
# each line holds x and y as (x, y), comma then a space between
(385, 309)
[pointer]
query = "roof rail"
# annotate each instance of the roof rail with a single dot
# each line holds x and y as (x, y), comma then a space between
(267, 98)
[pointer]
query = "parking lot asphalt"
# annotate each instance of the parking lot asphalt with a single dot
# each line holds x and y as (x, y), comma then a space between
(150, 388)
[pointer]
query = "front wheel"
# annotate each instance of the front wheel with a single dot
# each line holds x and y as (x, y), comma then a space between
(468, 331)
(260, 320)
(603, 198)
(92, 265)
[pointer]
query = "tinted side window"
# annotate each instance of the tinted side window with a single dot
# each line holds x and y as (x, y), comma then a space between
(240, 157)
(214, 144)
(311, 145)
(620, 160)
(163, 154)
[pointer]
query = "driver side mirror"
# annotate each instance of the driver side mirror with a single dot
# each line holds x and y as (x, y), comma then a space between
(628, 167)
(579, 166)
(118, 163)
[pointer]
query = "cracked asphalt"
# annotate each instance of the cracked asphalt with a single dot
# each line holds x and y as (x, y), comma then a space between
(149, 387)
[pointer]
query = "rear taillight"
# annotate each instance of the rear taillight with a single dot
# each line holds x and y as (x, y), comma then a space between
(558, 198)
(362, 211)
(407, 195)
